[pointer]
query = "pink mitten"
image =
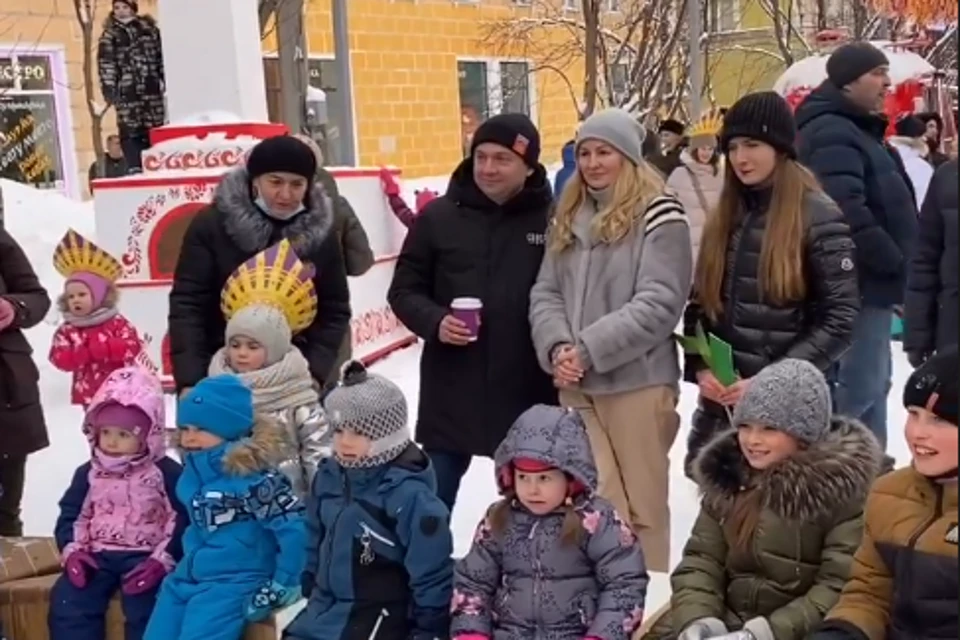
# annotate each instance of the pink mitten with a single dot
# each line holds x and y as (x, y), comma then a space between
(7, 313)
(78, 567)
(81, 355)
(388, 183)
(98, 350)
(144, 577)
(471, 636)
(117, 350)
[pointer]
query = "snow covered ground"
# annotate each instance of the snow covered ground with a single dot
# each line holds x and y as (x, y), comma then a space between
(38, 220)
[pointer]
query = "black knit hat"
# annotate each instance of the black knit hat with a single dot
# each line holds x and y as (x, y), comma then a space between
(514, 131)
(282, 154)
(763, 116)
(910, 126)
(851, 61)
(927, 116)
(672, 126)
(934, 386)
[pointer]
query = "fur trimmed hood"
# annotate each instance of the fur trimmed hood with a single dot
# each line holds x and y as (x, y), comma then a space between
(265, 448)
(252, 231)
(917, 145)
(811, 484)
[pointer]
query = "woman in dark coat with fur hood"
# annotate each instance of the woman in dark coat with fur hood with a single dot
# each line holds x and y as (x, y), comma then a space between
(274, 197)
(781, 517)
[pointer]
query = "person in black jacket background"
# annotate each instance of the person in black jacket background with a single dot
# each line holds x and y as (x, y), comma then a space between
(776, 276)
(274, 197)
(485, 239)
(931, 314)
(841, 129)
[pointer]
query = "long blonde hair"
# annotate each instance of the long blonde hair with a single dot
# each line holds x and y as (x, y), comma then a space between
(781, 256)
(632, 192)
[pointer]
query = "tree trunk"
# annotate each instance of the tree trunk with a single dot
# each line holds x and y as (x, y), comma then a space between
(591, 40)
(291, 51)
(85, 11)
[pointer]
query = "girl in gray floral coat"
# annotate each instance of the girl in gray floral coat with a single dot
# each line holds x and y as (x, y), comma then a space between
(552, 559)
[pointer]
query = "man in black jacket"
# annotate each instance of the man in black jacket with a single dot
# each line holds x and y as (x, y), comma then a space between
(931, 312)
(841, 130)
(484, 239)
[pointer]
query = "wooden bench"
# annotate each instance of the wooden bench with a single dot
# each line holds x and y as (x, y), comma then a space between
(24, 604)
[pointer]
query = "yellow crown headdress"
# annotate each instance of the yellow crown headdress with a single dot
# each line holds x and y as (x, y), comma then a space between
(709, 124)
(274, 277)
(75, 254)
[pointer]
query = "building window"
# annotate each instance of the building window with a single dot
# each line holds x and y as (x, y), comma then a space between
(571, 5)
(613, 6)
(324, 114)
(474, 99)
(723, 15)
(619, 83)
(30, 148)
(515, 87)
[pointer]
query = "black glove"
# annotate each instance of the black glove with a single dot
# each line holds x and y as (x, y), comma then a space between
(307, 581)
(917, 358)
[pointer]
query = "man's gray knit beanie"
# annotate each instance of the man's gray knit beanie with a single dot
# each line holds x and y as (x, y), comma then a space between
(372, 406)
(790, 396)
(619, 129)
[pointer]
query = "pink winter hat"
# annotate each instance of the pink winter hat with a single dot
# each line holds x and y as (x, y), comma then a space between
(98, 286)
(114, 414)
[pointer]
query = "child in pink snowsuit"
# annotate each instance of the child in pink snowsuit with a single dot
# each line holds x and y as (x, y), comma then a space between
(94, 339)
(120, 524)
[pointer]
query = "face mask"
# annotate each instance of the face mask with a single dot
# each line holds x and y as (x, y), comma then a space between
(262, 205)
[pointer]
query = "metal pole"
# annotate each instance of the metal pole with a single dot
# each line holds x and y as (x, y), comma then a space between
(341, 40)
(695, 24)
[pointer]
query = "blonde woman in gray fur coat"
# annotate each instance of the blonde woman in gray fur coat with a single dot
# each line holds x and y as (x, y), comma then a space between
(611, 289)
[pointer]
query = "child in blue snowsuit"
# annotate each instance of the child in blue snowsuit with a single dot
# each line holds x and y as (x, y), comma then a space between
(244, 548)
(378, 560)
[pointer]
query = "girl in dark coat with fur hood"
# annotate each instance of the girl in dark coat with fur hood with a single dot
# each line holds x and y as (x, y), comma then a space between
(781, 518)
(274, 197)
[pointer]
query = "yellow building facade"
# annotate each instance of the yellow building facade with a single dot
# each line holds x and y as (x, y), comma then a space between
(426, 72)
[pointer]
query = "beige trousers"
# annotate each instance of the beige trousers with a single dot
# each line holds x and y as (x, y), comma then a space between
(631, 434)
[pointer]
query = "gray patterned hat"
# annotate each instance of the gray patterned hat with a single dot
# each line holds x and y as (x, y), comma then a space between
(372, 406)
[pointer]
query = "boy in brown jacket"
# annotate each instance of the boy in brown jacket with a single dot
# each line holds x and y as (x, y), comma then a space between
(904, 581)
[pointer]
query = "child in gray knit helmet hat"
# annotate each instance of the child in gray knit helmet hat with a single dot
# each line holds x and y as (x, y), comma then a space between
(379, 557)
(781, 516)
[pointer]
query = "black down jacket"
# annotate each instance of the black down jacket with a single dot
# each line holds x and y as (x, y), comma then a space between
(219, 239)
(931, 314)
(464, 244)
(843, 145)
(817, 329)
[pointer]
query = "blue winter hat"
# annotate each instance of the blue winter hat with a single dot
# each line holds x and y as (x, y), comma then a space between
(221, 405)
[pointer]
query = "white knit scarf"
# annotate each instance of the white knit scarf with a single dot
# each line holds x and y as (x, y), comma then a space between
(284, 385)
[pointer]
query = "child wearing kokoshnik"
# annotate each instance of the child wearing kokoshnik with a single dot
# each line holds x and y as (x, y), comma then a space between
(94, 339)
(266, 301)
(906, 576)
(781, 515)
(378, 558)
(552, 559)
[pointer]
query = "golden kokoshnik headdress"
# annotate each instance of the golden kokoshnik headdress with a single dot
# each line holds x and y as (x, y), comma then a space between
(708, 125)
(75, 254)
(275, 277)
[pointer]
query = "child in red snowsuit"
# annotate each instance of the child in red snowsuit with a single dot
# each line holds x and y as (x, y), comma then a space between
(94, 339)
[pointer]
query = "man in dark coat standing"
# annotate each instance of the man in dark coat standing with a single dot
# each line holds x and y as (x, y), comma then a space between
(484, 239)
(23, 303)
(841, 127)
(931, 314)
(130, 64)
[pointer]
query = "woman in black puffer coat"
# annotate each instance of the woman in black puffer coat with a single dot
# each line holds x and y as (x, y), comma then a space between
(776, 276)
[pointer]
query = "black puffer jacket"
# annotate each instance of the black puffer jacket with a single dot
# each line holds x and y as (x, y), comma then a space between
(223, 236)
(843, 145)
(817, 329)
(931, 308)
(463, 244)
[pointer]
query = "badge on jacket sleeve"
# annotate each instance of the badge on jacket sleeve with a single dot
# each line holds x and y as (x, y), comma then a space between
(846, 264)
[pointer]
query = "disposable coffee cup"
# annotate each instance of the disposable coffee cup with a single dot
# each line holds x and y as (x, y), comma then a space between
(467, 311)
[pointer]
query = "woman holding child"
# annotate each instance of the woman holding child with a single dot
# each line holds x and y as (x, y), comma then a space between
(274, 197)
(610, 292)
(776, 276)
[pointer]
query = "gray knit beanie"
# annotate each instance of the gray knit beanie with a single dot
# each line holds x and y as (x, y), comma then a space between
(619, 129)
(372, 406)
(267, 325)
(791, 396)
